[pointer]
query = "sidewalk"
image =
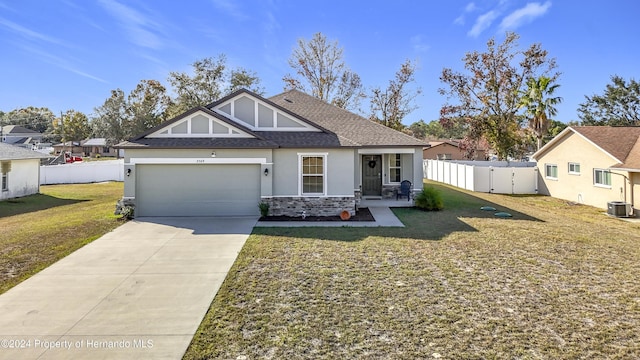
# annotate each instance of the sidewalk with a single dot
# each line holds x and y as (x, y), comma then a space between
(383, 217)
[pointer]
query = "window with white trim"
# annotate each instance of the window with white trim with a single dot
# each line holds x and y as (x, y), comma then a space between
(395, 165)
(574, 168)
(601, 177)
(551, 171)
(312, 174)
(5, 182)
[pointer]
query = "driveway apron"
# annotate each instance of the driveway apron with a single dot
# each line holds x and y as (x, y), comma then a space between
(138, 292)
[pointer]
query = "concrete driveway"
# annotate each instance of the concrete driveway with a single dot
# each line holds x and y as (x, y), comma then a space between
(138, 292)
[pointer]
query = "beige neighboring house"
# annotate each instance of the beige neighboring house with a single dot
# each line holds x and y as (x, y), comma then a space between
(98, 147)
(291, 151)
(592, 165)
(449, 150)
(74, 147)
(19, 171)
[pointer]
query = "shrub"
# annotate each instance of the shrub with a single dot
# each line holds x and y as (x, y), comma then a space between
(127, 212)
(429, 199)
(264, 208)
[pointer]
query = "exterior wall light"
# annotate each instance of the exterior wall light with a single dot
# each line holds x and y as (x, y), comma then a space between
(128, 172)
(266, 172)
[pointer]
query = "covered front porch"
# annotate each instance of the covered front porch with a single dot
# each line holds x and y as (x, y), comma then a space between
(372, 201)
(381, 171)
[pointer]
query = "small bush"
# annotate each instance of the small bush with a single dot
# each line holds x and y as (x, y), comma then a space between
(127, 212)
(264, 209)
(429, 199)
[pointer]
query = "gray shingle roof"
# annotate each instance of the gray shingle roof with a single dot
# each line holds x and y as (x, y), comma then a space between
(340, 128)
(11, 152)
(198, 143)
(95, 142)
(306, 139)
(343, 123)
(17, 129)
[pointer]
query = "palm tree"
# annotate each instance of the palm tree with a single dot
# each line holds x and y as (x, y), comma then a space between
(540, 105)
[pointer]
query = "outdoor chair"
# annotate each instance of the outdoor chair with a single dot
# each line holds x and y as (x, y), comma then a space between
(405, 190)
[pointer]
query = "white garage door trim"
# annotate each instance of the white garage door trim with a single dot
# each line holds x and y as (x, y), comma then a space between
(170, 161)
(197, 189)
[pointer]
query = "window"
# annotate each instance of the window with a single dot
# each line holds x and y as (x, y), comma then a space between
(444, 157)
(551, 171)
(601, 177)
(394, 168)
(5, 182)
(312, 174)
(574, 168)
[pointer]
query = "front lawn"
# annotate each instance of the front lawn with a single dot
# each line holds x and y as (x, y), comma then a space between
(38, 230)
(555, 281)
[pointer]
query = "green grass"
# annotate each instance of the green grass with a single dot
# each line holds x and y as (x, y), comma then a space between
(38, 230)
(555, 281)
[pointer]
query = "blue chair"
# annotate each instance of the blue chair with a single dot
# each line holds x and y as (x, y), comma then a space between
(405, 190)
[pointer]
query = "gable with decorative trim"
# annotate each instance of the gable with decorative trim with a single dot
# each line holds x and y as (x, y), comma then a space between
(200, 125)
(259, 115)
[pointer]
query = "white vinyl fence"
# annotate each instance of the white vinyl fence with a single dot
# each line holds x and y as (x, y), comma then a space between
(500, 177)
(82, 172)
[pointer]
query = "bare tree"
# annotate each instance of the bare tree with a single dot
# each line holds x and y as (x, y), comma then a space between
(389, 106)
(321, 71)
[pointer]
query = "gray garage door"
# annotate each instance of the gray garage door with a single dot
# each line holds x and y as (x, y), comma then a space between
(197, 190)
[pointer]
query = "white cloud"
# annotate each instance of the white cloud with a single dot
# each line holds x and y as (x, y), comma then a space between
(62, 63)
(482, 23)
(524, 15)
(27, 33)
(470, 7)
(418, 44)
(142, 30)
(231, 8)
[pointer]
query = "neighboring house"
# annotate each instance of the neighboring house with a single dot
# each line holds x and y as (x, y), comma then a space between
(449, 150)
(292, 151)
(19, 171)
(18, 135)
(592, 165)
(90, 147)
(98, 146)
(74, 147)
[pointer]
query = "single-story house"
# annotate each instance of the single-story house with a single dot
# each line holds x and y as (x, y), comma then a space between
(89, 147)
(74, 147)
(98, 147)
(592, 165)
(449, 150)
(15, 134)
(19, 171)
(291, 151)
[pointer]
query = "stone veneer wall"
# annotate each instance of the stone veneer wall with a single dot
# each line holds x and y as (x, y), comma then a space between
(312, 206)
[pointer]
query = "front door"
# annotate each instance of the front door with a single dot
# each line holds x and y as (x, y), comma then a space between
(371, 175)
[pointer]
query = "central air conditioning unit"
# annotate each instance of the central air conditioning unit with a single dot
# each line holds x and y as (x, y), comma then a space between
(618, 208)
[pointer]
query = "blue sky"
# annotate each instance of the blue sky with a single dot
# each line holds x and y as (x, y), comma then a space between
(69, 54)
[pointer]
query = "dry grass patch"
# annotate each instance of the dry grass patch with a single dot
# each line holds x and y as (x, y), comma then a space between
(40, 229)
(557, 281)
